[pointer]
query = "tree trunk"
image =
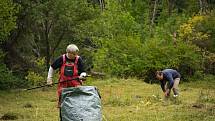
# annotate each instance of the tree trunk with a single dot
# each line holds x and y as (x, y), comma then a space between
(57, 44)
(170, 6)
(102, 5)
(154, 12)
(201, 6)
(46, 39)
(153, 17)
(174, 38)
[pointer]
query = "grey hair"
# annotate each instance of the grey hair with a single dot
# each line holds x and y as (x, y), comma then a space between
(72, 48)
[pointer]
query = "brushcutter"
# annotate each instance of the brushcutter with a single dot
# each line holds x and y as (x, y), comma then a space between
(79, 79)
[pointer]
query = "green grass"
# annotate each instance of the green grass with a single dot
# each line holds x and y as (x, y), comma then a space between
(122, 100)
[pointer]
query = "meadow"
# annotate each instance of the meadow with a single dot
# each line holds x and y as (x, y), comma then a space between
(122, 100)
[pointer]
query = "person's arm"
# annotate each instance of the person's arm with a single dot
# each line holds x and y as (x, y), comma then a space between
(163, 86)
(168, 77)
(56, 64)
(80, 66)
(50, 75)
(81, 71)
(165, 90)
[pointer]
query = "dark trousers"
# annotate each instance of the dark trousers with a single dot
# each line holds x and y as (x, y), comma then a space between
(60, 114)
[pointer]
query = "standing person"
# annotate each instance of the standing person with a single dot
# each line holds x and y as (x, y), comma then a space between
(169, 79)
(71, 67)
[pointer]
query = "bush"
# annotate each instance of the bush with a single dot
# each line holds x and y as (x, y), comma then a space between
(142, 60)
(7, 80)
(37, 75)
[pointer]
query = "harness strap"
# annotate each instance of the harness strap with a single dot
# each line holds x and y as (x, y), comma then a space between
(75, 70)
(76, 60)
(76, 66)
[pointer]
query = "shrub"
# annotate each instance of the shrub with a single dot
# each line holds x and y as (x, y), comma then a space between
(37, 75)
(7, 80)
(132, 58)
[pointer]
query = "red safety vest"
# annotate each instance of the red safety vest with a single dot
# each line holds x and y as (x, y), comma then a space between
(68, 71)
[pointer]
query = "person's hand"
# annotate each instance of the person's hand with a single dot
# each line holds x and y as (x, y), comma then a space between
(166, 93)
(83, 75)
(49, 82)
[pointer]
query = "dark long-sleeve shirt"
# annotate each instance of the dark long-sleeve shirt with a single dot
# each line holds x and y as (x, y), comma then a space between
(168, 76)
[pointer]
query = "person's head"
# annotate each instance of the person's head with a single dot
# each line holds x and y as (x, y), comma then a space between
(72, 51)
(159, 75)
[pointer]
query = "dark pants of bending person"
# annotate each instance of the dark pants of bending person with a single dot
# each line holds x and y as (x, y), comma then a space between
(60, 114)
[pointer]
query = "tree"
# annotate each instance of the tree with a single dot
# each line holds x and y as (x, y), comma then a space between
(49, 25)
(8, 11)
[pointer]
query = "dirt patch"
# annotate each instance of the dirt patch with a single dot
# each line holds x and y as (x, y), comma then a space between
(28, 105)
(9, 116)
(198, 105)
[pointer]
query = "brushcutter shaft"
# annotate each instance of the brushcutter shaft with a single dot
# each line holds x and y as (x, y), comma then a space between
(56, 83)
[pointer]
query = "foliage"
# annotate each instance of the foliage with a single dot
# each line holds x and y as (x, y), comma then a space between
(162, 55)
(139, 59)
(7, 79)
(209, 62)
(200, 31)
(37, 75)
(120, 55)
(8, 17)
(35, 78)
(121, 39)
(188, 31)
(66, 16)
(128, 55)
(117, 36)
(48, 26)
(167, 26)
(8, 11)
(207, 27)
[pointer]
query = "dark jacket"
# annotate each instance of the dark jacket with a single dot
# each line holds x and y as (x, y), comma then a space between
(168, 76)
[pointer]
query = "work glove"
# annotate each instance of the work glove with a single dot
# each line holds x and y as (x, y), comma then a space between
(83, 75)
